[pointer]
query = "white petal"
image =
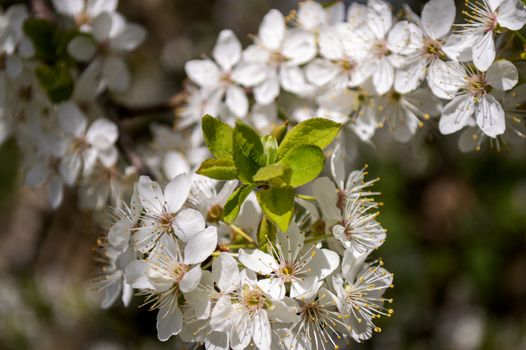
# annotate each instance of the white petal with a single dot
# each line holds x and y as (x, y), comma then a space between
(191, 279)
(55, 191)
(484, 52)
(283, 310)
(258, 261)
(338, 165)
(136, 276)
(438, 17)
(225, 272)
(202, 72)
(237, 101)
(101, 27)
(320, 71)
(220, 316)
(169, 323)
(198, 300)
(71, 119)
(502, 75)
(493, 4)
(272, 29)
(261, 332)
(299, 47)
(96, 7)
(383, 77)
(70, 167)
(512, 14)
(102, 133)
(129, 38)
(119, 233)
(330, 43)
(249, 74)
(456, 114)
(176, 192)
(490, 116)
(410, 77)
(267, 92)
(201, 247)
(325, 192)
(116, 74)
(273, 287)
(69, 7)
(292, 79)
(445, 78)
(81, 48)
(323, 263)
(151, 195)
(188, 223)
(227, 51)
(305, 288)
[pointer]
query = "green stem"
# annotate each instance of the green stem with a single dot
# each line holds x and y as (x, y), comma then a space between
(239, 231)
(306, 197)
(521, 37)
(318, 238)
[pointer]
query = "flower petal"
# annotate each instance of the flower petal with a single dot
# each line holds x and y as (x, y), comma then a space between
(227, 51)
(201, 246)
(191, 279)
(188, 224)
(272, 29)
(502, 75)
(490, 116)
(438, 17)
(204, 73)
(456, 114)
(258, 261)
(169, 322)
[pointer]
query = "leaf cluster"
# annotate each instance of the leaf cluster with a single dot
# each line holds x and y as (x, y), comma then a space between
(271, 165)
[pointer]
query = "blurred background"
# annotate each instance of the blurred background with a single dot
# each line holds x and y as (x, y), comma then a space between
(456, 222)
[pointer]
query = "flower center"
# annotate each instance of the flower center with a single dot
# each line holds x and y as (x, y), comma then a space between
(179, 271)
(277, 58)
(380, 49)
(286, 272)
(253, 299)
(433, 48)
(347, 65)
(166, 220)
(477, 85)
(82, 19)
(79, 144)
(214, 213)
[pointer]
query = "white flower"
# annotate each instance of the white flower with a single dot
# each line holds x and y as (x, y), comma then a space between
(319, 325)
(281, 52)
(85, 145)
(403, 112)
(377, 45)
(290, 262)
(84, 11)
(474, 99)
(360, 295)
(423, 47)
(164, 216)
(224, 76)
(168, 276)
(342, 64)
(247, 314)
(112, 282)
(483, 21)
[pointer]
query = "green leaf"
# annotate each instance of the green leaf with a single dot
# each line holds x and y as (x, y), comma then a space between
(218, 136)
(276, 175)
(248, 152)
(316, 131)
(270, 149)
(305, 162)
(234, 202)
(42, 35)
(218, 168)
(277, 205)
(56, 81)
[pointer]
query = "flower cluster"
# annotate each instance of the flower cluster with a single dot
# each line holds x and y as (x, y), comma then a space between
(238, 283)
(54, 79)
(365, 68)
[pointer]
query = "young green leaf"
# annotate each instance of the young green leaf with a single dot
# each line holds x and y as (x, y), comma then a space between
(276, 175)
(218, 136)
(270, 149)
(42, 34)
(248, 152)
(277, 205)
(280, 131)
(234, 202)
(316, 131)
(218, 168)
(305, 162)
(266, 233)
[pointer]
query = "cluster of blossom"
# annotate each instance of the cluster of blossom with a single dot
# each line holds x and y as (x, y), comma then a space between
(52, 97)
(221, 285)
(366, 68)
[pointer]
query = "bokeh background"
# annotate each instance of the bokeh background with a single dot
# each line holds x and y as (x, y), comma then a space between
(456, 222)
